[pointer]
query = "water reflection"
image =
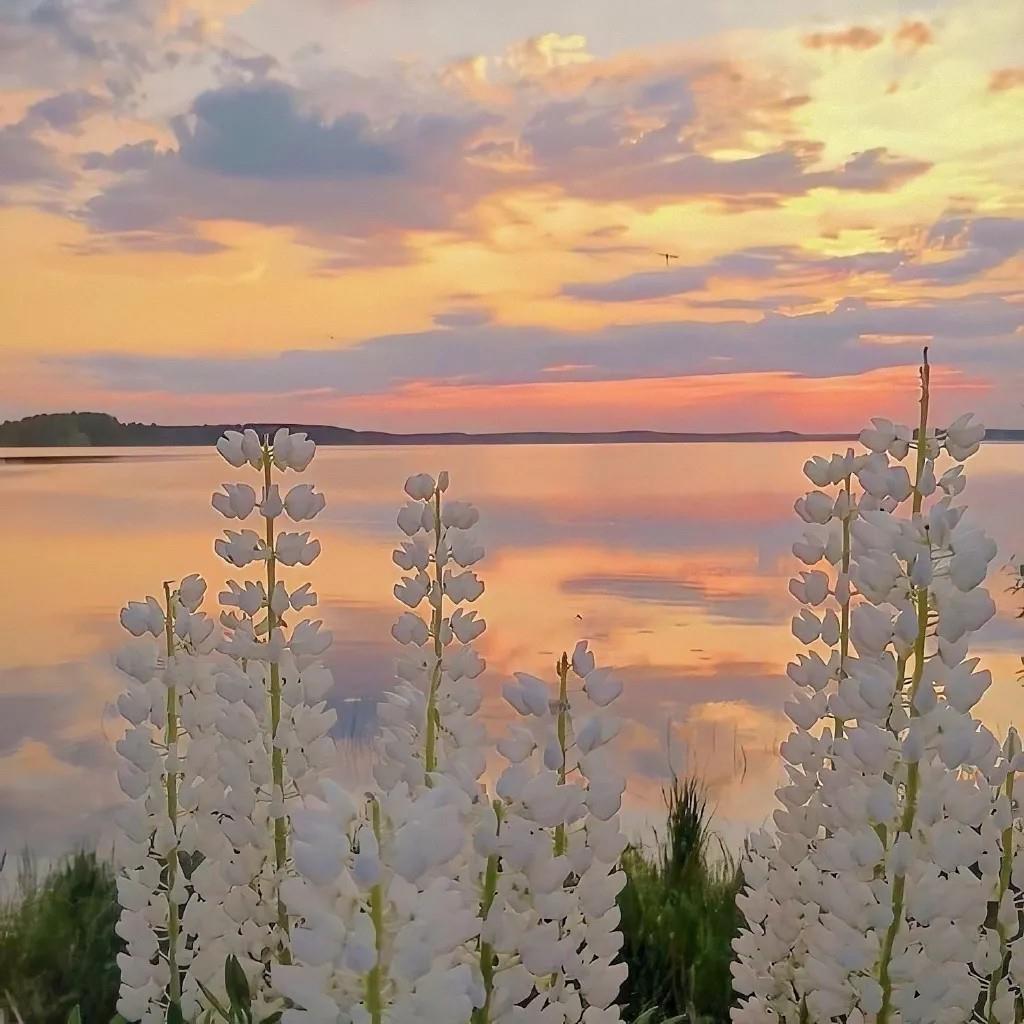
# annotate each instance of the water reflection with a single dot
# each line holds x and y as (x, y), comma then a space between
(673, 559)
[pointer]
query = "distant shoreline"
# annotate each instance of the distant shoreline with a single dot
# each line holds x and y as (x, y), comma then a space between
(100, 430)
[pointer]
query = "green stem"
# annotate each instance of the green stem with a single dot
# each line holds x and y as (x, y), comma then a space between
(1005, 870)
(844, 625)
(436, 619)
(171, 739)
(563, 721)
(561, 840)
(922, 432)
(486, 950)
(913, 771)
(276, 755)
(374, 979)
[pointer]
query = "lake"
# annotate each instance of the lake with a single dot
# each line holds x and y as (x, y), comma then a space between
(672, 559)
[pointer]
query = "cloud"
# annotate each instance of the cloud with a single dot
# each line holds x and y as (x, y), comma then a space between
(261, 132)
(754, 263)
(979, 245)
(466, 317)
(63, 22)
(24, 160)
(856, 37)
(1005, 79)
(133, 156)
(595, 150)
(912, 35)
(967, 331)
(258, 153)
(65, 111)
(652, 284)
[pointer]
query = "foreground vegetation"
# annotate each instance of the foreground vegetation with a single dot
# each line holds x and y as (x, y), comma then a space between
(679, 916)
(58, 945)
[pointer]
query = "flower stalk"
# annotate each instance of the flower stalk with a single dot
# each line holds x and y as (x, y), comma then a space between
(171, 777)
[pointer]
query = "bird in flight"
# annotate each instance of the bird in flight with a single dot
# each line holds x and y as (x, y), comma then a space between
(668, 256)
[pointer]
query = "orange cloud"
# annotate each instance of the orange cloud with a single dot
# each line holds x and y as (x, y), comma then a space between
(1005, 79)
(912, 35)
(856, 37)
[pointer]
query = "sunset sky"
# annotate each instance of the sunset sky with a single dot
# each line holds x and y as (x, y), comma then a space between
(446, 214)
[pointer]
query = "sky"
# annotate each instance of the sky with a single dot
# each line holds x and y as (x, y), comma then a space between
(447, 214)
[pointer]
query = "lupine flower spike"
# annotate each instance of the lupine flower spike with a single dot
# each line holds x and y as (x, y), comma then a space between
(166, 705)
(275, 724)
(869, 903)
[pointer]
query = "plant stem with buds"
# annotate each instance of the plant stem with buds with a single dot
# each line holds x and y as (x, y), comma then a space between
(276, 755)
(171, 776)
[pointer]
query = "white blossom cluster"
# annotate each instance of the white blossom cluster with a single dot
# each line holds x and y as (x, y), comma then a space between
(273, 721)
(388, 894)
(225, 733)
(426, 901)
(875, 900)
(552, 918)
(164, 752)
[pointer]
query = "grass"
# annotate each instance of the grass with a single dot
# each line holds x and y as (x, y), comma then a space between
(679, 916)
(57, 943)
(58, 946)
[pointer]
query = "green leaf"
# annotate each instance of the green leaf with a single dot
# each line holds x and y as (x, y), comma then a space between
(118, 1019)
(75, 1016)
(174, 1014)
(215, 1002)
(236, 984)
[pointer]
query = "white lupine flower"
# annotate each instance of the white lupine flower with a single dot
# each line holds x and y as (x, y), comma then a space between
(296, 549)
(815, 507)
(560, 919)
(251, 448)
(303, 597)
(241, 548)
(420, 487)
(271, 505)
(236, 501)
(302, 503)
(466, 626)
(170, 706)
(410, 629)
(309, 640)
(879, 435)
(230, 447)
(465, 586)
(870, 903)
(963, 438)
(143, 617)
(272, 726)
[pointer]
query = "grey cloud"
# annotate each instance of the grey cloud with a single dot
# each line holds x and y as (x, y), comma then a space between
(973, 331)
(978, 245)
(66, 111)
(24, 160)
(757, 262)
(133, 156)
(260, 132)
(649, 284)
(463, 318)
(60, 19)
(762, 302)
(255, 153)
(593, 150)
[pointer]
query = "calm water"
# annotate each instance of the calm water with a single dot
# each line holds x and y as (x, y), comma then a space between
(672, 559)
